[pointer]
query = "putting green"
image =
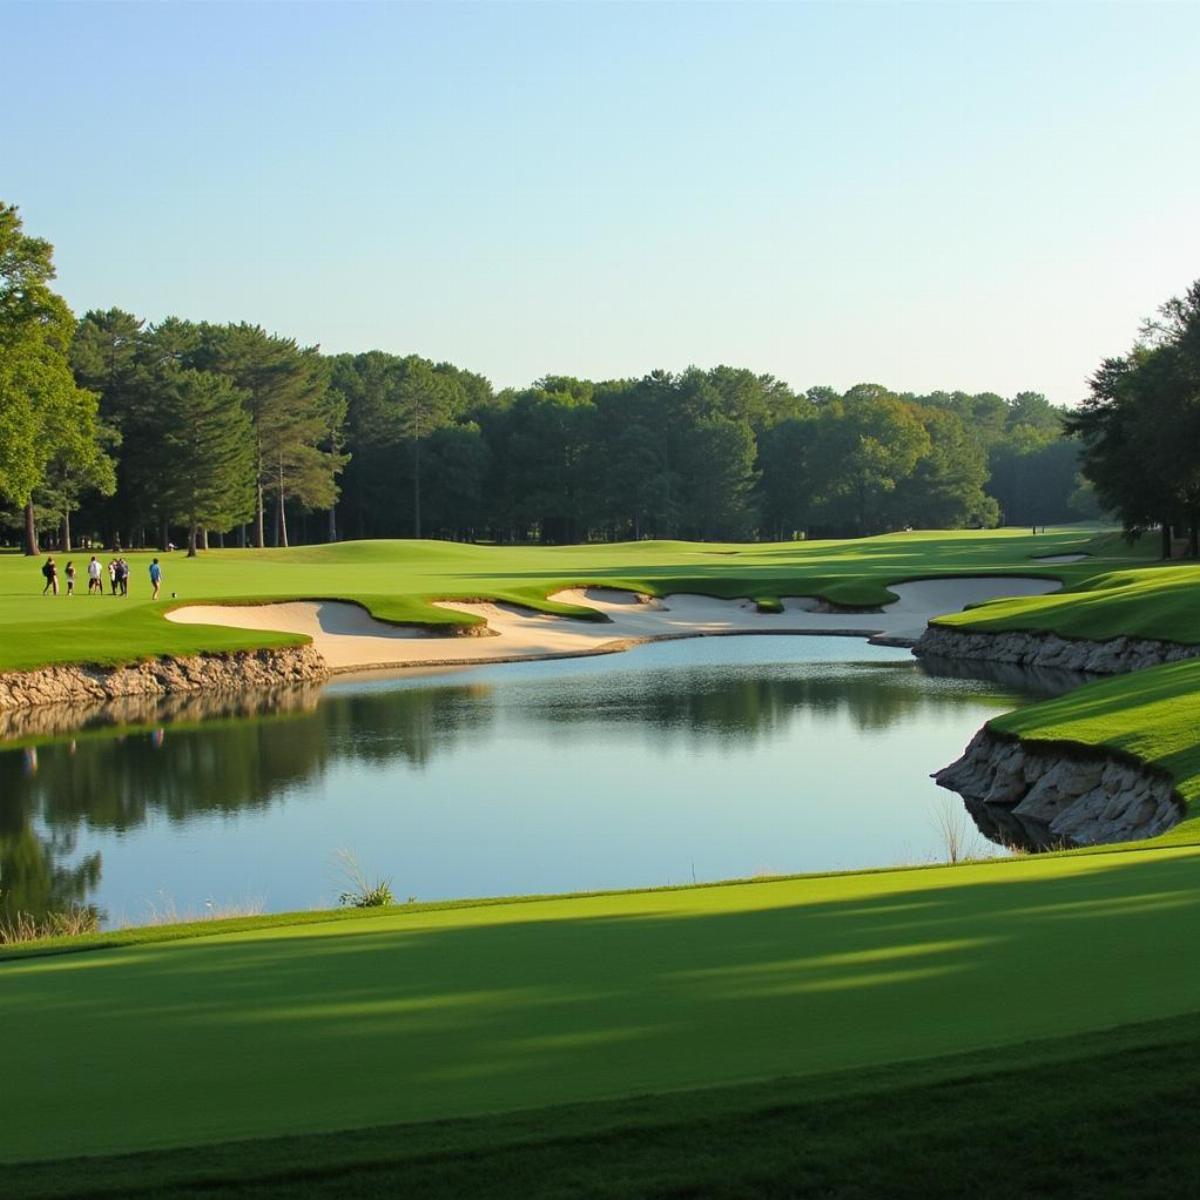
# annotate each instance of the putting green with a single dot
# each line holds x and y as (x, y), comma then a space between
(413, 1015)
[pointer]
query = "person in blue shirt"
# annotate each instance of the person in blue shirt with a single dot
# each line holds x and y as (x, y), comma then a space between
(156, 577)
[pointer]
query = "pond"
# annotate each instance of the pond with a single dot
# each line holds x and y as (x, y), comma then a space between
(702, 759)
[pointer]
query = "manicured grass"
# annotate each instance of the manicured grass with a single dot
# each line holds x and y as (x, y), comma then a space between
(396, 580)
(1105, 1114)
(1152, 716)
(417, 1016)
(1159, 601)
(493, 1048)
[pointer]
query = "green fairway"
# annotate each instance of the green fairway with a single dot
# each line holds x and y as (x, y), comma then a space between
(396, 581)
(415, 1016)
(1160, 601)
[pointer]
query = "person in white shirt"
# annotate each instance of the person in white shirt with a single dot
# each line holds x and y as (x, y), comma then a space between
(94, 584)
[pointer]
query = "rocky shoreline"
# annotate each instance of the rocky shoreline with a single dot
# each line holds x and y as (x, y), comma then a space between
(54, 720)
(1116, 656)
(1053, 795)
(211, 673)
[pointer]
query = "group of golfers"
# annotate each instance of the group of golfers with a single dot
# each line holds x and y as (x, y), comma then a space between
(117, 571)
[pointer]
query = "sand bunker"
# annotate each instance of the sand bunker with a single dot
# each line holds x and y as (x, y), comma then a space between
(1060, 558)
(346, 635)
(349, 638)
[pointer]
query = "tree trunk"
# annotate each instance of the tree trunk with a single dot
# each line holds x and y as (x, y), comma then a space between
(31, 538)
(1166, 539)
(66, 531)
(242, 535)
(204, 538)
(333, 523)
(164, 538)
(259, 536)
(1193, 537)
(281, 535)
(221, 540)
(417, 487)
(191, 540)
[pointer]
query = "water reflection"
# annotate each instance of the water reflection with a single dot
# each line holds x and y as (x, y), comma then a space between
(299, 761)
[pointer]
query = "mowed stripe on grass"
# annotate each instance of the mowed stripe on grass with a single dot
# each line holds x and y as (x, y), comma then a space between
(425, 1015)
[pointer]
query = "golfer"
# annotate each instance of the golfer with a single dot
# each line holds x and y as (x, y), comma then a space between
(155, 577)
(50, 574)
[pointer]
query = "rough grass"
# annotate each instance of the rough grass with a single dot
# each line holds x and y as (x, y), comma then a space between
(415, 1016)
(396, 580)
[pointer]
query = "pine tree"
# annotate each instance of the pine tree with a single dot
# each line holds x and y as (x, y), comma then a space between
(284, 389)
(206, 451)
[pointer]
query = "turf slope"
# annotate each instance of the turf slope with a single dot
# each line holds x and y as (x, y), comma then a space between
(412, 1016)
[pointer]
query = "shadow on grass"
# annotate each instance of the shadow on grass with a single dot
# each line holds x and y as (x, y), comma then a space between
(338, 1027)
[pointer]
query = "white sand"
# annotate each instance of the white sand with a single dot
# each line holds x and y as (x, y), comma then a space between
(350, 639)
(1060, 558)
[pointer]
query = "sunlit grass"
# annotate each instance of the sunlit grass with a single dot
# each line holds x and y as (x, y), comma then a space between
(397, 580)
(415, 1014)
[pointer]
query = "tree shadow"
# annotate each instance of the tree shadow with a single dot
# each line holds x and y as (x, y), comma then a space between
(423, 1015)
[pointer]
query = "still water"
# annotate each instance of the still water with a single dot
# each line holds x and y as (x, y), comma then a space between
(703, 759)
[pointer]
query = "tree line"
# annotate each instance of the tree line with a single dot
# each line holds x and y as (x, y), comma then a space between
(1140, 429)
(136, 433)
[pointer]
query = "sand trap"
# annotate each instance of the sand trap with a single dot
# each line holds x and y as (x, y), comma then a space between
(1060, 558)
(350, 639)
(345, 634)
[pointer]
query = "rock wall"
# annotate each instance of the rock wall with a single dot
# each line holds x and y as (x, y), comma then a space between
(1051, 652)
(1044, 797)
(210, 673)
(49, 720)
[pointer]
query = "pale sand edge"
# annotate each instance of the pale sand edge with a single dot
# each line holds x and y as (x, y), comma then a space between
(350, 639)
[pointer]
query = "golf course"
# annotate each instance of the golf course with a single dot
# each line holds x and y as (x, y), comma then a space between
(434, 1041)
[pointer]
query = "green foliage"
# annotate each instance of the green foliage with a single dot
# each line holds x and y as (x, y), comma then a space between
(361, 891)
(206, 450)
(283, 389)
(1140, 426)
(45, 417)
(403, 446)
(865, 444)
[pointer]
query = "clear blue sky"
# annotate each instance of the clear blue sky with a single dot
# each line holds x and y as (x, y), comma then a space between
(962, 195)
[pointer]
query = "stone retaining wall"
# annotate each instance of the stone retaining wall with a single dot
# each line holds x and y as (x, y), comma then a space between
(212, 673)
(1055, 795)
(1047, 650)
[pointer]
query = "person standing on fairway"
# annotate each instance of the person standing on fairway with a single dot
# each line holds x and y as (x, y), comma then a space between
(112, 576)
(94, 584)
(155, 577)
(70, 573)
(50, 573)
